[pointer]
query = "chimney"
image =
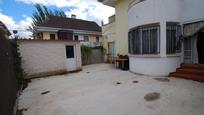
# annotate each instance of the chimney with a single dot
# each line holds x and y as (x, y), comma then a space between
(73, 16)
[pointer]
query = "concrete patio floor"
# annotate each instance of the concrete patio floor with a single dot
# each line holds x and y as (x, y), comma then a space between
(94, 91)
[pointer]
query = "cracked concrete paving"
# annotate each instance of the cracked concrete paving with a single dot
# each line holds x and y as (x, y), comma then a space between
(94, 91)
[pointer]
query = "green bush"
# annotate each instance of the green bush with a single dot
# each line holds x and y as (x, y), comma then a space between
(17, 62)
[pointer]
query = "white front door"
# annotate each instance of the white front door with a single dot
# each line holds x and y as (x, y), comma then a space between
(70, 57)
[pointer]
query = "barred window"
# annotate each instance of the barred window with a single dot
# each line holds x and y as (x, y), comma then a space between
(173, 42)
(144, 40)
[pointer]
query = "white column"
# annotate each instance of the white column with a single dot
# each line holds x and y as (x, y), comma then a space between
(163, 38)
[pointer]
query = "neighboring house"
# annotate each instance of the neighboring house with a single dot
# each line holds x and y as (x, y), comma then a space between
(121, 24)
(163, 34)
(61, 28)
(4, 30)
(109, 36)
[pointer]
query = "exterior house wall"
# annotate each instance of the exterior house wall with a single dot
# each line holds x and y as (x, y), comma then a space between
(46, 35)
(154, 66)
(109, 35)
(46, 57)
(148, 12)
(121, 16)
(192, 10)
(92, 39)
(151, 11)
(109, 32)
(161, 11)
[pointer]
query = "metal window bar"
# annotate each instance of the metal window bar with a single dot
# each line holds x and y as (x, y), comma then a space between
(173, 34)
(144, 40)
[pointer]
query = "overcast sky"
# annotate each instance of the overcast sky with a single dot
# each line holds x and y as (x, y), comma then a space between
(16, 14)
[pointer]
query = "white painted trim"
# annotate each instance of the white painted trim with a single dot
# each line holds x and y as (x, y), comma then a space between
(145, 56)
(133, 3)
(174, 55)
(192, 21)
(40, 28)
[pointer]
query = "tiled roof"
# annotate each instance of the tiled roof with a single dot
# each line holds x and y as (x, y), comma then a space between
(70, 23)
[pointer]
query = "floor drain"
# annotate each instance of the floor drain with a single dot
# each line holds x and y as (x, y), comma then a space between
(118, 83)
(152, 96)
(162, 79)
(135, 81)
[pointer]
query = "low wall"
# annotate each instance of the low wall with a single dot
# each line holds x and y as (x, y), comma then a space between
(154, 66)
(96, 56)
(46, 57)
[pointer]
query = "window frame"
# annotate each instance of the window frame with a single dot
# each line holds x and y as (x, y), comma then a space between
(51, 35)
(140, 41)
(76, 36)
(97, 39)
(85, 38)
(173, 26)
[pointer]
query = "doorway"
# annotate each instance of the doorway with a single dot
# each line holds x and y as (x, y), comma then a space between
(70, 58)
(200, 47)
(111, 51)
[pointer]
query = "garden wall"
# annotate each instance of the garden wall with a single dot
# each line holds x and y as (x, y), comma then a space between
(96, 56)
(92, 55)
(47, 57)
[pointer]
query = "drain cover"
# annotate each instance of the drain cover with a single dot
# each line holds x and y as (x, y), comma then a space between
(162, 79)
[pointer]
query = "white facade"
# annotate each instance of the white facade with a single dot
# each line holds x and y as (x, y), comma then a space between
(161, 12)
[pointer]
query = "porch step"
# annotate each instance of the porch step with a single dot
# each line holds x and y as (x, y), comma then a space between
(193, 66)
(189, 71)
(188, 76)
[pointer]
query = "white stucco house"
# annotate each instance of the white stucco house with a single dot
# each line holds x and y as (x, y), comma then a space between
(163, 34)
